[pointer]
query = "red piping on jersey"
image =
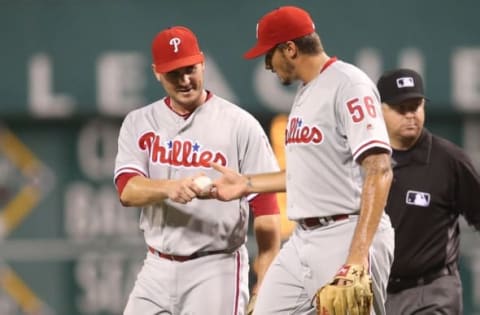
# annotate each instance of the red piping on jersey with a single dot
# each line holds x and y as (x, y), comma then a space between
(384, 144)
(264, 204)
(129, 170)
(328, 63)
(237, 288)
(168, 102)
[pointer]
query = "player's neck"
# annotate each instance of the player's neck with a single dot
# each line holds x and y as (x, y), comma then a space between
(311, 66)
(188, 108)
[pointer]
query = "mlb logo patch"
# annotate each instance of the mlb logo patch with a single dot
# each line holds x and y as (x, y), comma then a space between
(418, 198)
(405, 82)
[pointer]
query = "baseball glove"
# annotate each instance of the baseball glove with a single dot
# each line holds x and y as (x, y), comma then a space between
(251, 304)
(354, 297)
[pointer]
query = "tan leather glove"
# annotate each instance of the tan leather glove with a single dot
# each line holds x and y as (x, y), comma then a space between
(354, 298)
(251, 304)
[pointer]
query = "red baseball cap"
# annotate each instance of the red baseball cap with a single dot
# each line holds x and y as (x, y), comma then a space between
(278, 26)
(174, 48)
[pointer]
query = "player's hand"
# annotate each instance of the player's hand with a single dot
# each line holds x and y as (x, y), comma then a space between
(182, 190)
(202, 186)
(231, 185)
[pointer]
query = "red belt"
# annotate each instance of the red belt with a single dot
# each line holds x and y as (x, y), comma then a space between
(180, 258)
(311, 223)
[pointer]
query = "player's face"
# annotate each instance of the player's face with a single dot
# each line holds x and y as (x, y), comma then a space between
(277, 62)
(184, 85)
(404, 122)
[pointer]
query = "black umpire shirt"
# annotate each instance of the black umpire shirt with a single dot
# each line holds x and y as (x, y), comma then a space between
(434, 182)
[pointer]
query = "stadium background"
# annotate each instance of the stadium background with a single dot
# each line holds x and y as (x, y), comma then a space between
(71, 69)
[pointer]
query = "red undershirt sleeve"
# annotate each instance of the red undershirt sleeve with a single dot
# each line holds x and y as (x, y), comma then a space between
(264, 204)
(122, 180)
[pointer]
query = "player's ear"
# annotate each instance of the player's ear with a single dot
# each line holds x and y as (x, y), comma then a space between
(155, 73)
(290, 49)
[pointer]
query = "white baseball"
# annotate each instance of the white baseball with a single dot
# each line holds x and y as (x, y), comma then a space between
(204, 183)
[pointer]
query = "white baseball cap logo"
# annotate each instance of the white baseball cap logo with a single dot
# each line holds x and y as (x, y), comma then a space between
(175, 42)
(405, 82)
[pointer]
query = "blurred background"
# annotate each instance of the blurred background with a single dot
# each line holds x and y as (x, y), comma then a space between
(72, 69)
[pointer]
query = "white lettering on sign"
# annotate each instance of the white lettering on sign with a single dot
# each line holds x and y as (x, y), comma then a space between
(7, 305)
(97, 148)
(471, 130)
(369, 60)
(121, 82)
(412, 58)
(122, 78)
(42, 100)
(466, 79)
(105, 282)
(92, 212)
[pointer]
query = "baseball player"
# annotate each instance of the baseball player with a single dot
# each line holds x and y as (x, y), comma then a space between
(197, 261)
(337, 179)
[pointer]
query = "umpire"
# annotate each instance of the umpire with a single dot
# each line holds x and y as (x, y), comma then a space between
(434, 183)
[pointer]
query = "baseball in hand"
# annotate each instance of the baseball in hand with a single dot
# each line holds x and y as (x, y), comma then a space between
(204, 183)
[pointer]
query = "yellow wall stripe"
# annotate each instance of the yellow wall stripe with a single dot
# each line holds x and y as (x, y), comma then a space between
(18, 153)
(19, 207)
(22, 294)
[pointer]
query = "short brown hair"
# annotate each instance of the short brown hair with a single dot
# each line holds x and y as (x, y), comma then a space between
(309, 44)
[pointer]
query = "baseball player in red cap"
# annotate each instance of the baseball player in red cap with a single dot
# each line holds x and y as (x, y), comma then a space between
(337, 179)
(197, 261)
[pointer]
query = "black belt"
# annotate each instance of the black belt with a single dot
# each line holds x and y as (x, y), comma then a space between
(315, 222)
(399, 284)
(180, 258)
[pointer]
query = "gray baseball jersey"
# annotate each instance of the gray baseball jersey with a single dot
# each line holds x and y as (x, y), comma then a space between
(334, 119)
(158, 143)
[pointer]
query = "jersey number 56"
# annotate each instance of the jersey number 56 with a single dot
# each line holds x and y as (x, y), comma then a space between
(357, 108)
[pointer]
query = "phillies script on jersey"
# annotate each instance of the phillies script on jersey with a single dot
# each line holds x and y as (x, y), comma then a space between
(298, 133)
(178, 152)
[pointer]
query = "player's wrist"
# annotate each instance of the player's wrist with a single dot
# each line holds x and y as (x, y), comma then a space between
(248, 184)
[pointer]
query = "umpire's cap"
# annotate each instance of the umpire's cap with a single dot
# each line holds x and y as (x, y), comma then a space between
(396, 86)
(174, 48)
(278, 26)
